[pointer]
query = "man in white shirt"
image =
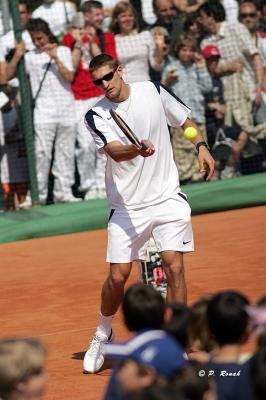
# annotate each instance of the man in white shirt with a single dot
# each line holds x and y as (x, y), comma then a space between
(249, 16)
(57, 13)
(142, 187)
(8, 43)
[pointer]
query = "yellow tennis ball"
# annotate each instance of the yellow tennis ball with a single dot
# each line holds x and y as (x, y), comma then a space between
(190, 133)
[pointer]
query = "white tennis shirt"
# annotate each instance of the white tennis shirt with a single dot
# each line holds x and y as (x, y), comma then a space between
(148, 111)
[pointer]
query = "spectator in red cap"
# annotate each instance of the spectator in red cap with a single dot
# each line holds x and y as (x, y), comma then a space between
(215, 112)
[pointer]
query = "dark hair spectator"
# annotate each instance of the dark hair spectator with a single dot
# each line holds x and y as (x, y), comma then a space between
(88, 5)
(213, 9)
(177, 323)
(257, 372)
(227, 317)
(143, 307)
(39, 25)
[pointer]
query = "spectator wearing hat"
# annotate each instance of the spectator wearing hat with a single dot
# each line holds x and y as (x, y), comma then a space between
(149, 358)
(143, 310)
(215, 112)
(87, 42)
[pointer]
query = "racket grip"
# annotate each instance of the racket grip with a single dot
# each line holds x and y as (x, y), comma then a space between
(143, 146)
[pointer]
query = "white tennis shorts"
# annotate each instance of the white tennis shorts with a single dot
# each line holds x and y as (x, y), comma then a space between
(168, 222)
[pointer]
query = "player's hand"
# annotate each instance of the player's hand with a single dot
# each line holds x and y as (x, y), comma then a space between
(206, 162)
(171, 77)
(148, 151)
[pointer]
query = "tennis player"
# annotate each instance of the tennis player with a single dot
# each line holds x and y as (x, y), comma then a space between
(142, 187)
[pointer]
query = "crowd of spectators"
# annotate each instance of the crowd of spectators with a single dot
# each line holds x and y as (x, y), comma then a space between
(174, 351)
(211, 54)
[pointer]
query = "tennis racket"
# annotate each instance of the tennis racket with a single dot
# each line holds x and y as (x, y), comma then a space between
(127, 130)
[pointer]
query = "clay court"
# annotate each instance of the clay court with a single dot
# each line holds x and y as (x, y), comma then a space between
(50, 288)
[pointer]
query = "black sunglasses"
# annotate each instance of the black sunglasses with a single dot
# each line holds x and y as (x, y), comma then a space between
(247, 15)
(108, 77)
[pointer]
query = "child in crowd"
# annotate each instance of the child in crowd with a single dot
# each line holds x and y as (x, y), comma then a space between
(188, 78)
(215, 113)
(13, 162)
(201, 342)
(144, 313)
(177, 322)
(22, 375)
(228, 322)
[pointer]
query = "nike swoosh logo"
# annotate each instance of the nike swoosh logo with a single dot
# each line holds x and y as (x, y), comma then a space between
(186, 242)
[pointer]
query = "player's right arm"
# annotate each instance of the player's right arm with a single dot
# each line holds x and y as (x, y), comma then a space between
(124, 152)
(107, 140)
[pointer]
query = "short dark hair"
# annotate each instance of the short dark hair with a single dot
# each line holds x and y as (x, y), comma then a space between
(190, 384)
(25, 3)
(143, 308)
(39, 25)
(213, 9)
(257, 372)
(100, 61)
(88, 5)
(249, 2)
(227, 317)
(179, 323)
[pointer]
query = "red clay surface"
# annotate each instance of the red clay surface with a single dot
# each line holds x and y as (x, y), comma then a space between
(50, 288)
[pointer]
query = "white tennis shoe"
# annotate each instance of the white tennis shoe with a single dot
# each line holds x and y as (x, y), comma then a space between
(94, 358)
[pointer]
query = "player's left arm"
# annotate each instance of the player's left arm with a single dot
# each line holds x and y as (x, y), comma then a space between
(206, 161)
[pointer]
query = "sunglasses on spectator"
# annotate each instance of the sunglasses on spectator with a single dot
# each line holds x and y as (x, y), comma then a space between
(108, 77)
(248, 15)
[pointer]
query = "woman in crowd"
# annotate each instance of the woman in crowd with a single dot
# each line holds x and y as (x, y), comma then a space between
(136, 50)
(50, 70)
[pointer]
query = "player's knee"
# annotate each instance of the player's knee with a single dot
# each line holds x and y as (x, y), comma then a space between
(117, 279)
(174, 269)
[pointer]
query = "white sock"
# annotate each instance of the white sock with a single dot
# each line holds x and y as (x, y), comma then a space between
(105, 325)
